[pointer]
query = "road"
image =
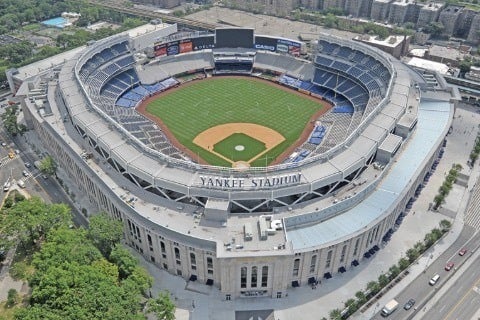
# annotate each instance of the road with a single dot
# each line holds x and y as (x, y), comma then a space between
(420, 290)
(465, 289)
(47, 189)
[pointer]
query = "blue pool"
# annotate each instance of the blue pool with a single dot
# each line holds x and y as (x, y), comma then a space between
(58, 22)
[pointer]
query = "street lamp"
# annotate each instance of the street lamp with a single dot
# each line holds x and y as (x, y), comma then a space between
(426, 263)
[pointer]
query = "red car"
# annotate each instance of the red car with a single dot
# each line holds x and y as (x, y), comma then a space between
(462, 252)
(449, 266)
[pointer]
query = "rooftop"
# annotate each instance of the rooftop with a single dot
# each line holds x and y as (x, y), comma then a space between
(428, 65)
(446, 52)
(391, 41)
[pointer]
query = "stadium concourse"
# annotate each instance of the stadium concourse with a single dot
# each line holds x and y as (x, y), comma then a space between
(258, 231)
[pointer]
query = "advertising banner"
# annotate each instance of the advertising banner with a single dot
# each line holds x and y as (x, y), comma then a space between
(288, 46)
(173, 48)
(186, 45)
(201, 43)
(160, 50)
(265, 43)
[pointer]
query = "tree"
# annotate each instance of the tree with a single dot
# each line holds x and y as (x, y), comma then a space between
(72, 280)
(394, 271)
(12, 297)
(48, 166)
(465, 65)
(361, 298)
(412, 254)
(434, 28)
(105, 232)
(335, 314)
(125, 262)
(162, 306)
(445, 225)
(373, 288)
(30, 220)
(9, 119)
(330, 21)
(403, 263)
(383, 280)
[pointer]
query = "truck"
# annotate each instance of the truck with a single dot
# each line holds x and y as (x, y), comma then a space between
(389, 308)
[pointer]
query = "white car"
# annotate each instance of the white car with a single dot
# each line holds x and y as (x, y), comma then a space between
(25, 173)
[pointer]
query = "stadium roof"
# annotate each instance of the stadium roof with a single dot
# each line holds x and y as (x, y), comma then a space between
(433, 119)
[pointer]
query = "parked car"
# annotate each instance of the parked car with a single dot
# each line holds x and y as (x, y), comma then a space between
(462, 252)
(409, 304)
(25, 173)
(449, 266)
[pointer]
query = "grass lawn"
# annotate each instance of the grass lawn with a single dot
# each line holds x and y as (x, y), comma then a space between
(207, 103)
(251, 146)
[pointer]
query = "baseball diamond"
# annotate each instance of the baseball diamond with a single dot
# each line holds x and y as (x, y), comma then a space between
(255, 140)
(204, 104)
(237, 160)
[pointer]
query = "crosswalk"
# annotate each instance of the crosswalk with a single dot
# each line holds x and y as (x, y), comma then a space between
(472, 216)
(4, 161)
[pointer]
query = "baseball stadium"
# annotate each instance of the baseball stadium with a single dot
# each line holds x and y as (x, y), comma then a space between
(240, 161)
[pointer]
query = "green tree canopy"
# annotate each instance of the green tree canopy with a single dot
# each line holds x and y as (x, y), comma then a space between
(125, 262)
(32, 219)
(162, 306)
(48, 166)
(105, 232)
(72, 280)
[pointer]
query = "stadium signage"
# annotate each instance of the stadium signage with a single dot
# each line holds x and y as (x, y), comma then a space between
(250, 183)
(264, 47)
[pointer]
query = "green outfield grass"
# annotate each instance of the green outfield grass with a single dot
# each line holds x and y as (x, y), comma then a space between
(208, 103)
(226, 147)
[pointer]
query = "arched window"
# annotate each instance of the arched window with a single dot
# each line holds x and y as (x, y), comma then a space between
(264, 276)
(253, 283)
(329, 259)
(193, 261)
(296, 266)
(243, 277)
(313, 263)
(344, 250)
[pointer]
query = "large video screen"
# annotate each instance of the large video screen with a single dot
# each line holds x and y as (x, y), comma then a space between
(265, 43)
(201, 43)
(234, 38)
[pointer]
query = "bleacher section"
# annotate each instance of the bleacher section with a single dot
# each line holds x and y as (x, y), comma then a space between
(317, 135)
(131, 97)
(114, 87)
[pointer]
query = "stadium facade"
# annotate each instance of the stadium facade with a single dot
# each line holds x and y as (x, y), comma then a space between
(257, 231)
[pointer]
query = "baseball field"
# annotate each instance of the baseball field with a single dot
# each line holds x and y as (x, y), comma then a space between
(229, 120)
